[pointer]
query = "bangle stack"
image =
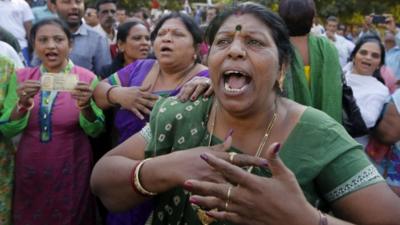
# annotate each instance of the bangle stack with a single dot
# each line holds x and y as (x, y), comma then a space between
(135, 180)
(108, 95)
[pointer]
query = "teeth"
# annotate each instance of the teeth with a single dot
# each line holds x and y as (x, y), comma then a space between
(234, 72)
(234, 90)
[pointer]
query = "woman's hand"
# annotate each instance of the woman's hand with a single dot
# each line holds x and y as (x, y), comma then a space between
(194, 88)
(82, 93)
(26, 91)
(251, 199)
(139, 100)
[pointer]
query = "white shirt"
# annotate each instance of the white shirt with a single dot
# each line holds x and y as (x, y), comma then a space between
(103, 33)
(13, 14)
(370, 95)
(344, 48)
(9, 52)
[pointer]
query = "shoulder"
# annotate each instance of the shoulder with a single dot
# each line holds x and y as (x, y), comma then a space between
(137, 65)
(83, 73)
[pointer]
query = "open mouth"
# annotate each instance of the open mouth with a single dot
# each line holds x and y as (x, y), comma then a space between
(236, 82)
(51, 56)
(166, 49)
(73, 15)
(366, 64)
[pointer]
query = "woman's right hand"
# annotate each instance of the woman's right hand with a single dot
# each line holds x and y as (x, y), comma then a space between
(139, 100)
(26, 91)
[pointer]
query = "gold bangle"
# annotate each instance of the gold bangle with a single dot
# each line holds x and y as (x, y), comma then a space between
(137, 183)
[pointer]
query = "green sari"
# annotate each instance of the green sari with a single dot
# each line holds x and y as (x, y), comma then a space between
(325, 89)
(7, 150)
(327, 167)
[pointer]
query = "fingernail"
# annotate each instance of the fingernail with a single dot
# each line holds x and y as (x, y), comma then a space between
(193, 201)
(230, 132)
(204, 156)
(264, 163)
(277, 148)
(187, 185)
(210, 214)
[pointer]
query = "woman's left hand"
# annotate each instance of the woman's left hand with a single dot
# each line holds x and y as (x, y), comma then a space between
(251, 199)
(194, 88)
(82, 93)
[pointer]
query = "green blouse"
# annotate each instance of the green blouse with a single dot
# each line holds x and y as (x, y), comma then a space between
(326, 161)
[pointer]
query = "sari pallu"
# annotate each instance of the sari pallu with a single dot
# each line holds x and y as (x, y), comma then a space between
(325, 89)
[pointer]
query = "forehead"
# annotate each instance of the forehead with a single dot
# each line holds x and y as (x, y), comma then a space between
(91, 10)
(248, 23)
(371, 46)
(50, 29)
(108, 5)
(173, 23)
(138, 28)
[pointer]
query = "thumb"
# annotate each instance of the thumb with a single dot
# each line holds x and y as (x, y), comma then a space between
(275, 163)
(145, 88)
(226, 144)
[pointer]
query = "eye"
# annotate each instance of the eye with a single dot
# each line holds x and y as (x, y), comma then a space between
(58, 39)
(222, 41)
(375, 55)
(161, 33)
(255, 43)
(42, 40)
(137, 38)
(363, 52)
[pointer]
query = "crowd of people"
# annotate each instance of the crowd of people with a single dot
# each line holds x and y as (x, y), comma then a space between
(218, 115)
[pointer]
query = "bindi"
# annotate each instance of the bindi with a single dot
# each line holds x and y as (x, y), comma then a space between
(238, 28)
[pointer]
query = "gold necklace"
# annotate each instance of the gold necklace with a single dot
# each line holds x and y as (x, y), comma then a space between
(201, 214)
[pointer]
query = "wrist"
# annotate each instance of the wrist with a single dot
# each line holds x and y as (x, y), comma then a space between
(111, 93)
(23, 107)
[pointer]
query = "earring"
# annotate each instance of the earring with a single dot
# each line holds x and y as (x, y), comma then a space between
(280, 81)
(121, 50)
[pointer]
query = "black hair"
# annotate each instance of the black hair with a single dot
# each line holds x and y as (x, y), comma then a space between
(49, 21)
(101, 2)
(123, 29)
(189, 23)
(332, 19)
(270, 19)
(298, 15)
(366, 39)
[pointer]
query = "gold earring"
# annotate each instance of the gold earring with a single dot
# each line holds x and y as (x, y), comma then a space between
(281, 79)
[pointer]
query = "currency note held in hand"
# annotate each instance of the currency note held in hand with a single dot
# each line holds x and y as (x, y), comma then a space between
(58, 82)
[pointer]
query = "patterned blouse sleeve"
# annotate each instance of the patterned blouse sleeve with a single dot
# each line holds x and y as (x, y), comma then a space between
(94, 128)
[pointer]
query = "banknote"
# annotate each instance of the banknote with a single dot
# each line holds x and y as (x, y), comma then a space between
(58, 82)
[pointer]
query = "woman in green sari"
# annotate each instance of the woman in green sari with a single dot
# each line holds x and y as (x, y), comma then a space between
(319, 166)
(7, 150)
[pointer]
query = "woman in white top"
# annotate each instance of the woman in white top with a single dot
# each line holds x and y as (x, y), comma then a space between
(363, 76)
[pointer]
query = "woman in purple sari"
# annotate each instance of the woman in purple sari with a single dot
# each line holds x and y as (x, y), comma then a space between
(136, 87)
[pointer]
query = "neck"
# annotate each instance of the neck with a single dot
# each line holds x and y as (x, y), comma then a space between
(73, 29)
(57, 69)
(245, 124)
(176, 73)
(108, 30)
(128, 60)
(298, 40)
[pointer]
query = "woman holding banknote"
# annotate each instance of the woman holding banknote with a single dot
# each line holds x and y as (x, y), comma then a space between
(54, 158)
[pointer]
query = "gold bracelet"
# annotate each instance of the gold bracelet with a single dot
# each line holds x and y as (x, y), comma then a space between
(137, 183)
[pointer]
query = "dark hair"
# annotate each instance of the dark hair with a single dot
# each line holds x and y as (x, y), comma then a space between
(101, 2)
(366, 39)
(332, 19)
(49, 21)
(123, 29)
(298, 15)
(189, 23)
(273, 21)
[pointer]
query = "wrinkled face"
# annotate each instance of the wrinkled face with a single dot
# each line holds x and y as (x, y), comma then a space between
(107, 15)
(174, 44)
(137, 44)
(121, 15)
(91, 17)
(71, 11)
(367, 59)
(52, 47)
(244, 64)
